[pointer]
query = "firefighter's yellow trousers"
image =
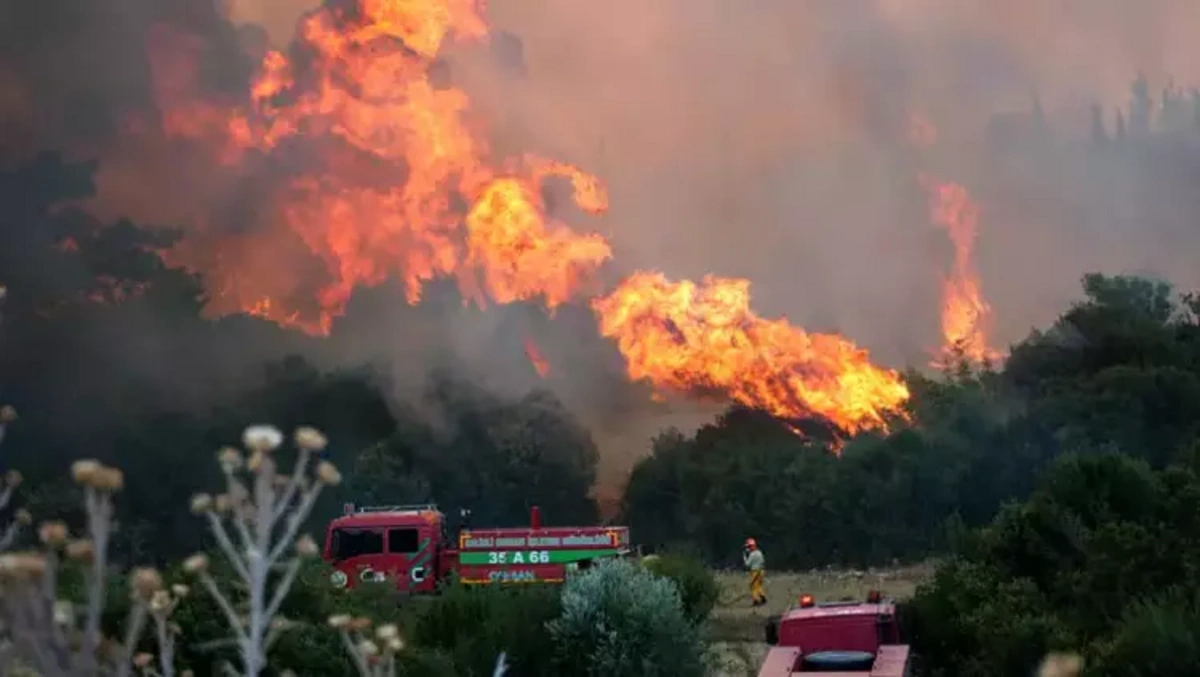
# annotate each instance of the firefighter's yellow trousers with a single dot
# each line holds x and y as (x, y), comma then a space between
(757, 594)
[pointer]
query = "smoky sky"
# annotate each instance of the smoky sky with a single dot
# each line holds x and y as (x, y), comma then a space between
(771, 140)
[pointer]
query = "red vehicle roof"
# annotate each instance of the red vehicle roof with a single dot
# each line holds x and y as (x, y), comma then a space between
(839, 626)
(781, 661)
(386, 518)
(837, 609)
(867, 627)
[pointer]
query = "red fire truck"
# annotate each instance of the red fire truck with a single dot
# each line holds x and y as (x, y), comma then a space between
(843, 638)
(410, 545)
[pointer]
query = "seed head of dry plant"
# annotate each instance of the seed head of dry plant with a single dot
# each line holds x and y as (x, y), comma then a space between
(255, 522)
(374, 656)
(374, 653)
(1061, 665)
(50, 635)
(8, 486)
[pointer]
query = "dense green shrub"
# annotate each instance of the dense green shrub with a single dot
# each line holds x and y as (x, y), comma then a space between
(969, 621)
(310, 646)
(697, 586)
(1072, 568)
(470, 626)
(1155, 638)
(618, 619)
(456, 633)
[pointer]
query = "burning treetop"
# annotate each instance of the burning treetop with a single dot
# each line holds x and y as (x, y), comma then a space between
(705, 337)
(965, 313)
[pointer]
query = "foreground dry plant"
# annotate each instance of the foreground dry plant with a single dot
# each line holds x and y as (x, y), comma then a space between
(255, 523)
(373, 657)
(12, 480)
(1061, 665)
(376, 656)
(264, 510)
(50, 635)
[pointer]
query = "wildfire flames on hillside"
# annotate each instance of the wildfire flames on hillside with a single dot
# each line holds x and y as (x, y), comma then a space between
(539, 362)
(965, 312)
(399, 183)
(363, 82)
(687, 336)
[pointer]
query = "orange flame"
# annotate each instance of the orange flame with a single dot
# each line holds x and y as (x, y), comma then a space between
(705, 338)
(540, 365)
(364, 83)
(397, 183)
(965, 313)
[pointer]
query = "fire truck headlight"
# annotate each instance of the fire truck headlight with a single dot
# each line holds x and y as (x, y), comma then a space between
(372, 576)
(339, 579)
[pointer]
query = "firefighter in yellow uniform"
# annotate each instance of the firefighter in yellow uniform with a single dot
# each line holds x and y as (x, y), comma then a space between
(752, 557)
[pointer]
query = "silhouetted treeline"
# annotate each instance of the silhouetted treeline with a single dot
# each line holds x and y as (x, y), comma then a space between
(1173, 110)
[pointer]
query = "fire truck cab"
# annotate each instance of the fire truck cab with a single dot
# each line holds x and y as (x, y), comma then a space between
(404, 544)
(837, 638)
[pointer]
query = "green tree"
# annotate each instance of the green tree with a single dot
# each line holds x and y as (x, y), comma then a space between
(470, 626)
(1155, 638)
(1116, 370)
(1081, 565)
(496, 457)
(698, 588)
(619, 619)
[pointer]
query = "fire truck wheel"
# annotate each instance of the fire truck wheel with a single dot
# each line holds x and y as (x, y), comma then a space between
(839, 661)
(772, 630)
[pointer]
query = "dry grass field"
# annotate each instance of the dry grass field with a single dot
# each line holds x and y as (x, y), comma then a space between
(736, 628)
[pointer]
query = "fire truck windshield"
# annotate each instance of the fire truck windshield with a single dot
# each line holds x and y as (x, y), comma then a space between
(349, 543)
(356, 541)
